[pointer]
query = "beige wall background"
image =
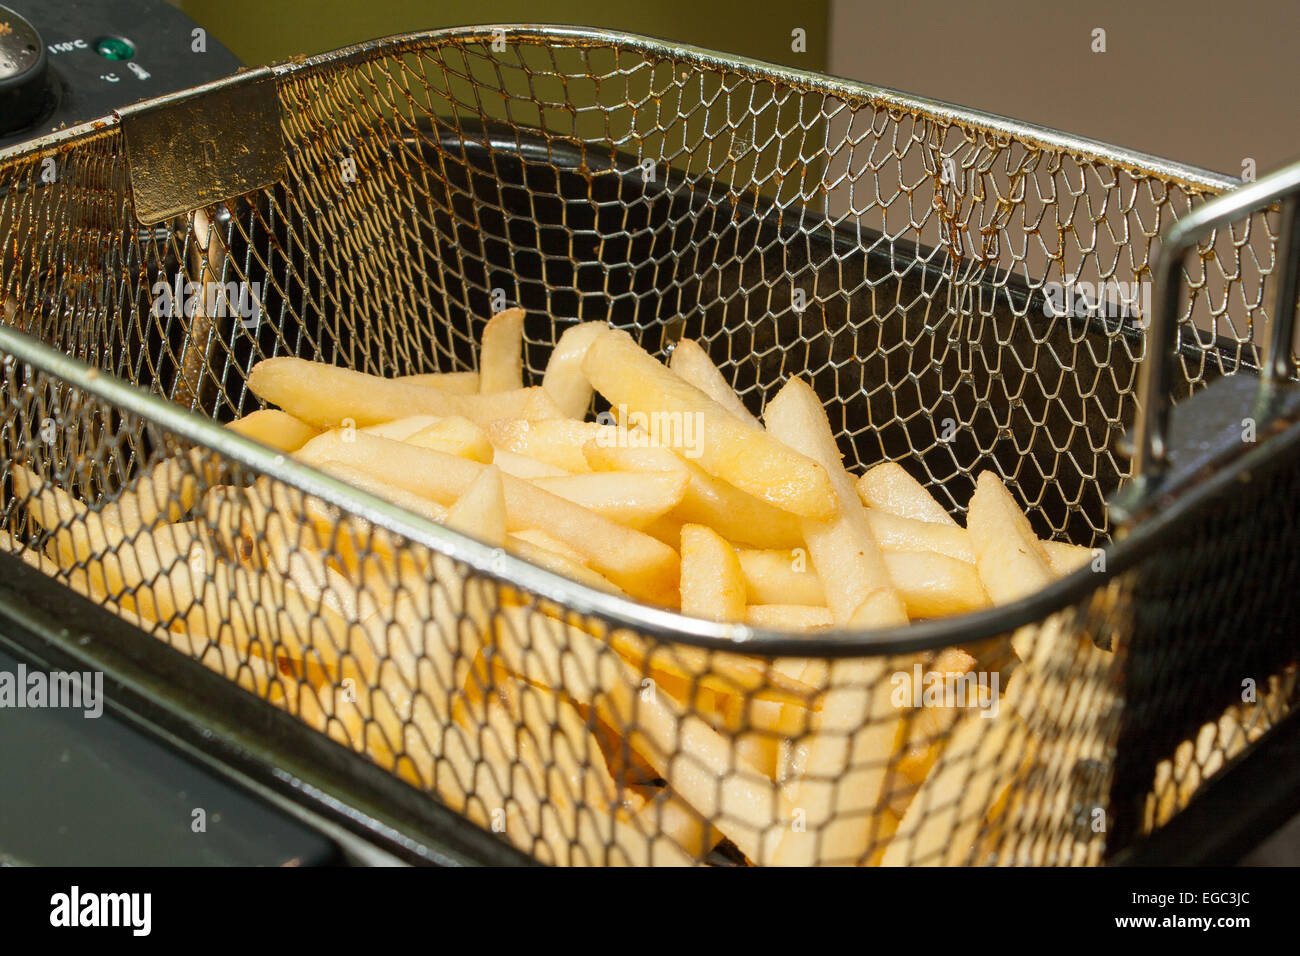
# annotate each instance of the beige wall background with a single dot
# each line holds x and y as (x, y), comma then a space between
(1205, 82)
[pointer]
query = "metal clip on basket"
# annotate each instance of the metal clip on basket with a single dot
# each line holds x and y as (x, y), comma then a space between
(902, 255)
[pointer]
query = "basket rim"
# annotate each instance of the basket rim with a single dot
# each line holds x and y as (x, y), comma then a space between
(1027, 133)
(1035, 135)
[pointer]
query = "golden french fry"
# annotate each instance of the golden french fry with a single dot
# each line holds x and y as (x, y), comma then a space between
(934, 585)
(929, 725)
(780, 577)
(739, 517)
(326, 396)
(537, 648)
(713, 585)
(843, 549)
(275, 428)
(930, 584)
(455, 436)
(673, 818)
(521, 466)
(557, 441)
(895, 533)
(908, 534)
(1065, 558)
(889, 488)
(400, 429)
(1009, 556)
(564, 379)
(369, 483)
(453, 383)
(746, 457)
(693, 365)
(697, 761)
(165, 494)
(559, 561)
(634, 499)
(720, 672)
(481, 511)
(501, 353)
(793, 617)
(645, 568)
(540, 539)
(843, 774)
(973, 769)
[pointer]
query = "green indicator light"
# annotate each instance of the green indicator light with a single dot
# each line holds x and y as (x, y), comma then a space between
(114, 48)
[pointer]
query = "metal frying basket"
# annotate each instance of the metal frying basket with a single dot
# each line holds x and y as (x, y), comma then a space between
(964, 292)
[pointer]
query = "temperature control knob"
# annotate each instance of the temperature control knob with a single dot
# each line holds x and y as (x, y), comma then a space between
(25, 88)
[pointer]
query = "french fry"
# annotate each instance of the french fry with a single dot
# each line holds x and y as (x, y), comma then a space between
(1065, 558)
(501, 355)
(697, 762)
(400, 429)
(713, 585)
(929, 725)
(792, 617)
(780, 577)
(540, 539)
(564, 379)
(746, 457)
(634, 499)
(972, 771)
(931, 585)
(326, 396)
(719, 672)
(637, 563)
(693, 365)
(843, 550)
(273, 427)
(556, 441)
(456, 436)
(739, 517)
(674, 819)
(165, 494)
(453, 383)
(481, 511)
(539, 649)
(1009, 556)
(934, 585)
(889, 488)
(907, 534)
(521, 466)
(560, 562)
(366, 481)
(843, 775)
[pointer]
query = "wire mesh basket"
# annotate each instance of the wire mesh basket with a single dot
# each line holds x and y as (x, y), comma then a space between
(964, 292)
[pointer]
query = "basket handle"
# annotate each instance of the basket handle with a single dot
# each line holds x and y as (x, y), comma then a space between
(1150, 430)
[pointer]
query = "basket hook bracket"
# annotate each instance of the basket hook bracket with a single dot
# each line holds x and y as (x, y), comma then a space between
(204, 145)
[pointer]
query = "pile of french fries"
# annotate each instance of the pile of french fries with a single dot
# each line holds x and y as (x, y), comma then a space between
(582, 744)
